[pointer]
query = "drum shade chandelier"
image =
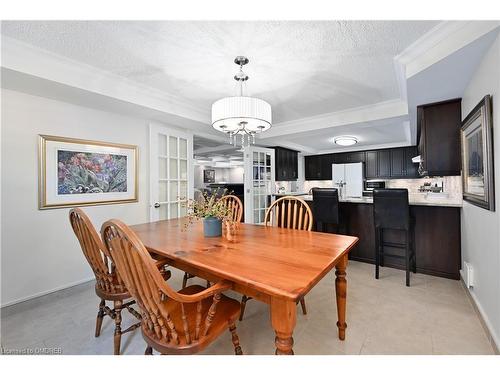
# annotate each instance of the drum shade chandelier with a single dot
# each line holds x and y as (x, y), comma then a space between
(242, 116)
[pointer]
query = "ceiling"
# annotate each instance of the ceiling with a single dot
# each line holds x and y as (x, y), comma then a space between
(322, 78)
(302, 68)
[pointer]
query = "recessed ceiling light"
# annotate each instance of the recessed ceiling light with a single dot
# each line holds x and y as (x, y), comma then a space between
(345, 141)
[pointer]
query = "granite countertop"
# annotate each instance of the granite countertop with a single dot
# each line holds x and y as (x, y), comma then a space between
(415, 200)
(293, 194)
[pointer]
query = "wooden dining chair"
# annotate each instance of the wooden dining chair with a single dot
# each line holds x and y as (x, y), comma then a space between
(236, 209)
(286, 212)
(233, 203)
(183, 322)
(109, 285)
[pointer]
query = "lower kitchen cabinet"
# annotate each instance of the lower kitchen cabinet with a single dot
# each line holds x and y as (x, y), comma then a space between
(437, 238)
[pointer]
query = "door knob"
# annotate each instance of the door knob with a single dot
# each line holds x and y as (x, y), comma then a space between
(156, 205)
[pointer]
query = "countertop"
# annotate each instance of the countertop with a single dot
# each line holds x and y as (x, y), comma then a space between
(415, 200)
(293, 194)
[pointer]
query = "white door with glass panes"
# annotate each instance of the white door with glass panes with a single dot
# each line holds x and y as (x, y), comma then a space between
(171, 172)
(259, 182)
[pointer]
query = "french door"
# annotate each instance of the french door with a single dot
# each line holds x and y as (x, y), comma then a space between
(259, 182)
(171, 172)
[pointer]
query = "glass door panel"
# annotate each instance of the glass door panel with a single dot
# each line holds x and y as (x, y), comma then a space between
(259, 182)
(171, 177)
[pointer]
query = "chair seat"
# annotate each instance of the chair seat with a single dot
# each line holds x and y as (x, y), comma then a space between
(111, 296)
(228, 310)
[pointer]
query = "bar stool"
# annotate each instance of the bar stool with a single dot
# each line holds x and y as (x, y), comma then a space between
(325, 207)
(391, 210)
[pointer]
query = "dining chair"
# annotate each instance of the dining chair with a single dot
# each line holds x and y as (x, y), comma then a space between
(109, 285)
(183, 322)
(236, 209)
(286, 212)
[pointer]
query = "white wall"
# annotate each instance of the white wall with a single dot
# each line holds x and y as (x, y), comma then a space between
(39, 250)
(481, 228)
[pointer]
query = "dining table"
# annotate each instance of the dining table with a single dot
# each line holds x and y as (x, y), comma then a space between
(274, 265)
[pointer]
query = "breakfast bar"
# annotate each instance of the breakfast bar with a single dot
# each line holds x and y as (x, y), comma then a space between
(437, 233)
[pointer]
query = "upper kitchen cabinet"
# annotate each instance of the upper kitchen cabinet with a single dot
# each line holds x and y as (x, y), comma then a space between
(391, 163)
(318, 167)
(438, 127)
(401, 164)
(312, 165)
(349, 157)
(286, 164)
(385, 163)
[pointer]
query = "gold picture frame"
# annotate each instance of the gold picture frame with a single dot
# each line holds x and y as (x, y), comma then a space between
(78, 172)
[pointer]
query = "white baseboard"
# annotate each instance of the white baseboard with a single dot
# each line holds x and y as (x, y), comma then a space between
(40, 294)
(492, 335)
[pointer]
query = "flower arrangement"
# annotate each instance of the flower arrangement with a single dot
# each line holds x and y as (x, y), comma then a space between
(206, 208)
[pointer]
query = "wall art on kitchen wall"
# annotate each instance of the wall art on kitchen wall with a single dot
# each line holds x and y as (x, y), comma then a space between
(77, 172)
(477, 156)
(209, 176)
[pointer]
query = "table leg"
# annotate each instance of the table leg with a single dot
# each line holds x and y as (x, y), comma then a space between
(341, 291)
(283, 320)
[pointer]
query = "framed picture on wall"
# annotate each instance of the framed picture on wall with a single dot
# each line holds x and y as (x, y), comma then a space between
(209, 176)
(76, 172)
(477, 156)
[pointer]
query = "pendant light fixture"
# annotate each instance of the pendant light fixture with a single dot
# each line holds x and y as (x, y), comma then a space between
(241, 117)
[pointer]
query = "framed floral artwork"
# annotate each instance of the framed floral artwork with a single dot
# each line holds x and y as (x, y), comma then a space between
(477, 156)
(76, 172)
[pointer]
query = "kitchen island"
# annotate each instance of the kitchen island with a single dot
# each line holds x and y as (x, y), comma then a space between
(437, 234)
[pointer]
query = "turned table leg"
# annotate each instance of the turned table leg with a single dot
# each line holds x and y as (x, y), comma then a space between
(283, 320)
(341, 291)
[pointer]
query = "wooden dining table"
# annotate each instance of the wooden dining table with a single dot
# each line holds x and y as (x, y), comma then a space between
(274, 265)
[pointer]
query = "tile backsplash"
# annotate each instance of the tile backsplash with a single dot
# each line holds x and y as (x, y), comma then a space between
(452, 185)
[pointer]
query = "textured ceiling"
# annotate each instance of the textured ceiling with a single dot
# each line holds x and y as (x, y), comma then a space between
(301, 68)
(382, 132)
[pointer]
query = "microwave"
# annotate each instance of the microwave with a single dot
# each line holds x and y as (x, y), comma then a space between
(371, 185)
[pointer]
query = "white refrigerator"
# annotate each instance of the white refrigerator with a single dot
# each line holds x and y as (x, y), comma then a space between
(348, 178)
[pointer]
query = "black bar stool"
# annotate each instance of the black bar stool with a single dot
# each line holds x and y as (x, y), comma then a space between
(325, 207)
(391, 210)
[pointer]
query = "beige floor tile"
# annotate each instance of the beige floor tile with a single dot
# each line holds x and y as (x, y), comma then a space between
(383, 316)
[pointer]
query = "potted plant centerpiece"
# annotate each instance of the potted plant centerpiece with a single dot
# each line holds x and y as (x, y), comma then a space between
(210, 211)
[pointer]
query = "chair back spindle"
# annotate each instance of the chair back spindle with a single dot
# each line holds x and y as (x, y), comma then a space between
(289, 212)
(107, 279)
(233, 203)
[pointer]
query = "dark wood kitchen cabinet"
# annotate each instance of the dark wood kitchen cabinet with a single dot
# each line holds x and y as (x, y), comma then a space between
(401, 164)
(349, 157)
(384, 163)
(438, 133)
(318, 167)
(312, 165)
(286, 164)
(398, 162)
(371, 165)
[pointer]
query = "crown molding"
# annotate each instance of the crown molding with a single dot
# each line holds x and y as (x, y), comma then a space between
(441, 41)
(28, 59)
(373, 112)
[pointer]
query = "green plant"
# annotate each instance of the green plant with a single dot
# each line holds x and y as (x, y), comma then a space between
(207, 207)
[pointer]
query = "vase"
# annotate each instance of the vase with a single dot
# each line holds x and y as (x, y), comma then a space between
(212, 227)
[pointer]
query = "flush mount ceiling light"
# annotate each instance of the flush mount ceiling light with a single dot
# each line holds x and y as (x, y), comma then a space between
(242, 116)
(345, 141)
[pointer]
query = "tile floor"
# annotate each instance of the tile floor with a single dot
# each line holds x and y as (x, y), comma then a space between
(433, 316)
